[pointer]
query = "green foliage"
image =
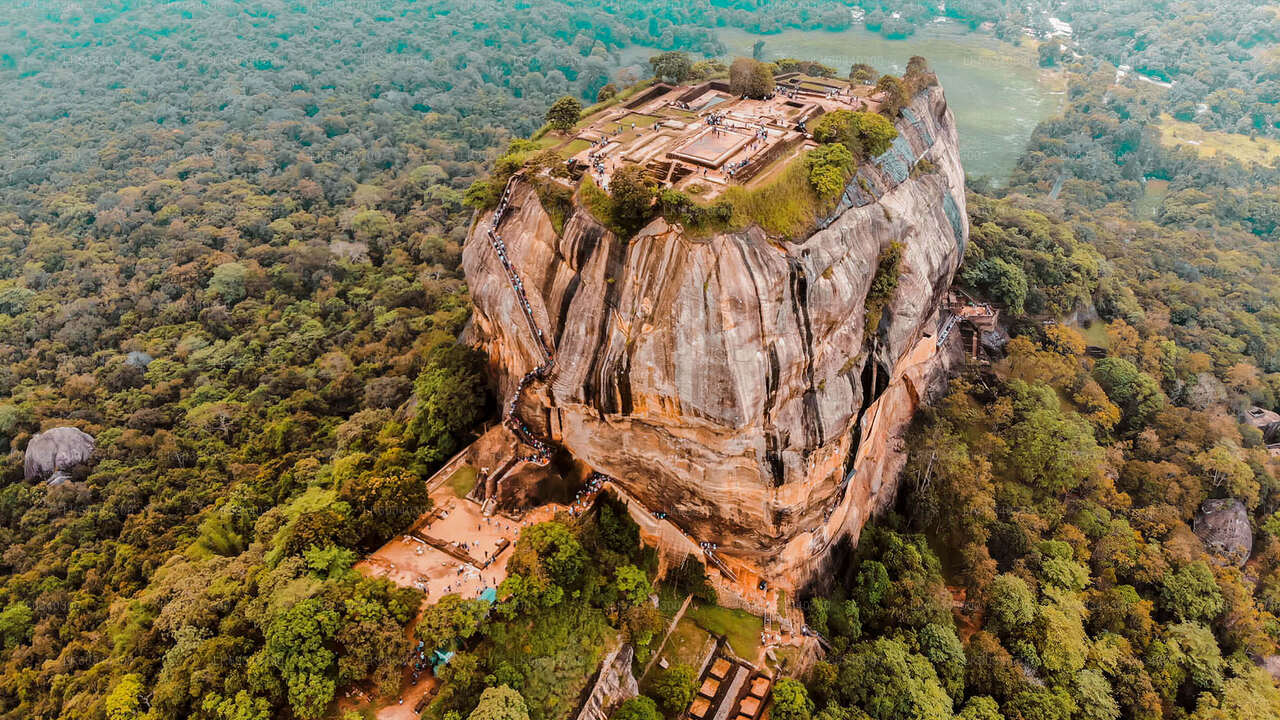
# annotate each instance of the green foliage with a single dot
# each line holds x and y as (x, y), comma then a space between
(889, 682)
(671, 66)
(1190, 594)
(16, 624)
(546, 566)
(632, 196)
(1136, 393)
(451, 400)
(500, 703)
(1010, 604)
(449, 621)
(674, 688)
(296, 654)
(1049, 450)
(632, 585)
(864, 134)
(750, 78)
(883, 284)
(564, 113)
(548, 656)
(999, 280)
(125, 701)
(894, 95)
(863, 74)
(637, 708)
(791, 700)
(829, 167)
(384, 505)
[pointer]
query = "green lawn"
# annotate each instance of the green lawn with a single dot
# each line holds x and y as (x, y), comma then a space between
(685, 644)
(1095, 334)
(462, 480)
(575, 147)
(742, 629)
(638, 119)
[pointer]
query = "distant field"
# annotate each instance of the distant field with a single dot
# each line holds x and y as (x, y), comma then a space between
(1152, 196)
(997, 91)
(1209, 143)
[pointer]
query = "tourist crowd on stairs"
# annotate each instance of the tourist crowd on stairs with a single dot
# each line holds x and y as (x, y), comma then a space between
(541, 451)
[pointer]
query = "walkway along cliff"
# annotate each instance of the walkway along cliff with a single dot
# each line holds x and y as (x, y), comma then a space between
(728, 382)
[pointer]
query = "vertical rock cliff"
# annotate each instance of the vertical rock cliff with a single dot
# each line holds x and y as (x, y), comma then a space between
(729, 382)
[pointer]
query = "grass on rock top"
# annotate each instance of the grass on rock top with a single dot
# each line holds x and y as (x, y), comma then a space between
(740, 628)
(463, 480)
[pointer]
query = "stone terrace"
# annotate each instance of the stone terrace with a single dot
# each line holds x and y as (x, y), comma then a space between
(701, 139)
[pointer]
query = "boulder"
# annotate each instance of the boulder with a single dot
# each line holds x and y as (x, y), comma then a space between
(56, 449)
(1223, 527)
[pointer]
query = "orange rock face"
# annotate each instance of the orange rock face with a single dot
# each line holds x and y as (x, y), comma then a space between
(729, 382)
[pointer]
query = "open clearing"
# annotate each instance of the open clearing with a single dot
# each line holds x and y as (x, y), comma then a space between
(1209, 143)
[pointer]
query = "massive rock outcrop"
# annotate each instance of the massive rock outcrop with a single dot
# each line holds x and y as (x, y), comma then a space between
(729, 382)
(1223, 526)
(56, 449)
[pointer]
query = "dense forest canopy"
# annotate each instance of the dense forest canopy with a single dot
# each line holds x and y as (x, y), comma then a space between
(229, 252)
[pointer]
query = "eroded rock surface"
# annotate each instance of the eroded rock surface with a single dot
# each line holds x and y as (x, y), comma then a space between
(729, 382)
(56, 449)
(1223, 527)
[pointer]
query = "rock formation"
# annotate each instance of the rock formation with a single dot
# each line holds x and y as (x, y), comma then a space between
(59, 448)
(729, 382)
(1223, 527)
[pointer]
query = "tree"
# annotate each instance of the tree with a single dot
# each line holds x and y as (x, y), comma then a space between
(383, 505)
(228, 282)
(1093, 696)
(641, 623)
(917, 75)
(1190, 594)
(980, 707)
(863, 74)
(675, 688)
(632, 197)
(1136, 393)
(864, 134)
(639, 707)
(791, 700)
(452, 397)
(16, 624)
(450, 620)
(632, 585)
(1049, 449)
(1000, 280)
(296, 651)
(546, 563)
(671, 66)
(564, 113)
(829, 167)
(124, 702)
(893, 95)
(608, 92)
(1195, 653)
(750, 78)
(1225, 469)
(500, 703)
(889, 682)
